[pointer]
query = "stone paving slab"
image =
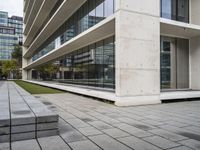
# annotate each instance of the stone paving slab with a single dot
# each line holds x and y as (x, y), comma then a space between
(84, 145)
(84, 125)
(161, 142)
(25, 145)
(53, 143)
(22, 116)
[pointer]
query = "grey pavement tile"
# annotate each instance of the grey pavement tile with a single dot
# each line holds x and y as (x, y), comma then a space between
(89, 131)
(65, 127)
(194, 144)
(46, 133)
(4, 130)
(53, 143)
(4, 138)
(116, 133)
(181, 131)
(23, 128)
(22, 119)
(25, 145)
(193, 128)
(133, 130)
(138, 124)
(72, 136)
(22, 136)
(66, 115)
(181, 148)
(138, 144)
(161, 142)
(107, 120)
(177, 124)
(77, 123)
(47, 126)
(45, 117)
(168, 135)
(153, 122)
(100, 125)
(4, 120)
(4, 146)
(108, 143)
(84, 145)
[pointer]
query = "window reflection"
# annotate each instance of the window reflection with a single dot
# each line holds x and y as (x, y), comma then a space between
(89, 14)
(92, 65)
(175, 10)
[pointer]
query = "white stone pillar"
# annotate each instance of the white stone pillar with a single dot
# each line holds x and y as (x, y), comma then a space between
(24, 64)
(137, 52)
(195, 63)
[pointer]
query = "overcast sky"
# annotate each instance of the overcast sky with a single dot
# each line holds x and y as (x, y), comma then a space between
(13, 7)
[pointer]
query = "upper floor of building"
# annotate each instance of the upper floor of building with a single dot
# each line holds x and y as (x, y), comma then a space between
(50, 26)
(14, 23)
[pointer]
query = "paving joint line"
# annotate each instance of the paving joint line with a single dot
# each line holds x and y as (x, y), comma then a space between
(95, 128)
(10, 139)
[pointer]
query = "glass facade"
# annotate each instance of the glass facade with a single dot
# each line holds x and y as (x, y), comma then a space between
(7, 44)
(175, 10)
(17, 23)
(10, 34)
(3, 18)
(89, 14)
(174, 63)
(93, 65)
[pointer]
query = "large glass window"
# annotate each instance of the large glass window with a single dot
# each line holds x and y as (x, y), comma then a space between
(175, 10)
(89, 14)
(92, 65)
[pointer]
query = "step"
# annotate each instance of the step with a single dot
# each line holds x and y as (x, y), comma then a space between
(23, 116)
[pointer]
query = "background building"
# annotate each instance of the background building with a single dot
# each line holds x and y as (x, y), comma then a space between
(10, 34)
(130, 52)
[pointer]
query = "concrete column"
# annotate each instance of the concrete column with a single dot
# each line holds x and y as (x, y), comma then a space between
(195, 12)
(24, 64)
(29, 74)
(137, 52)
(195, 63)
(182, 63)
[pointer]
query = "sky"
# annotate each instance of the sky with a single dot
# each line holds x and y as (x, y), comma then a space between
(13, 7)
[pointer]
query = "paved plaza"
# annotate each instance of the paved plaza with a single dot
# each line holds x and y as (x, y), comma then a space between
(88, 124)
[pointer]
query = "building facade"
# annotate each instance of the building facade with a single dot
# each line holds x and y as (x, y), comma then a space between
(11, 29)
(128, 52)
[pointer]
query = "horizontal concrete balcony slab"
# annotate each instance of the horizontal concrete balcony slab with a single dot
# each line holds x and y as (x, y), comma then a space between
(25, 4)
(34, 11)
(28, 10)
(67, 8)
(178, 29)
(98, 32)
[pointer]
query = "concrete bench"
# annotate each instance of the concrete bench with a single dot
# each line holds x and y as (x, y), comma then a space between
(22, 116)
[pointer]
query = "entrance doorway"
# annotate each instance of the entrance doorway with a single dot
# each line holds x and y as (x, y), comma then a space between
(174, 66)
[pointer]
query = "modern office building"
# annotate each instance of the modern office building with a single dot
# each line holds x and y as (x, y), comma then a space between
(10, 34)
(129, 52)
(17, 23)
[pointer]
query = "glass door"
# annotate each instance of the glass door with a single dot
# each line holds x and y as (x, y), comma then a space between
(174, 63)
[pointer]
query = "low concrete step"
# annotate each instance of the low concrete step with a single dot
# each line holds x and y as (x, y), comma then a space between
(22, 116)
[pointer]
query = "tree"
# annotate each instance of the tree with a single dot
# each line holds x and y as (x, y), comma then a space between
(9, 68)
(17, 55)
(47, 71)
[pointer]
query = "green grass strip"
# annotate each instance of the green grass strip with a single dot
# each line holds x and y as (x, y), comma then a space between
(36, 89)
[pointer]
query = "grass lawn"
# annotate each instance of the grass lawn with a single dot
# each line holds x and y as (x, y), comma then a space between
(36, 89)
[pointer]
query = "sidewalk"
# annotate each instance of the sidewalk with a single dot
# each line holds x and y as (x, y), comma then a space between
(88, 124)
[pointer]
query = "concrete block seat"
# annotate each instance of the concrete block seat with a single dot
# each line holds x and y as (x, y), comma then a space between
(22, 116)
